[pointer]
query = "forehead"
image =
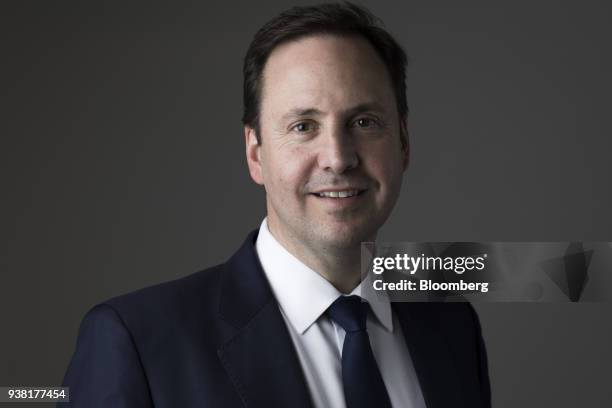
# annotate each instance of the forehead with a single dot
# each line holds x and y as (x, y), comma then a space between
(324, 71)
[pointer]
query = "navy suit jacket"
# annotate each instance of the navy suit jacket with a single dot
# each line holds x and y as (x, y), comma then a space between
(217, 339)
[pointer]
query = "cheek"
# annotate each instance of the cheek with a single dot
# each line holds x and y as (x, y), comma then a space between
(386, 167)
(288, 171)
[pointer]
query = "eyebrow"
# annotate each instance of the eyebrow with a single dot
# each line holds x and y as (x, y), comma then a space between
(301, 112)
(362, 107)
(365, 107)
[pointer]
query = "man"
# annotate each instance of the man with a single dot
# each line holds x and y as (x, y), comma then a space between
(280, 324)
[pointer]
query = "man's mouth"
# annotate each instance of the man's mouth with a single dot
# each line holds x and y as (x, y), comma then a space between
(339, 193)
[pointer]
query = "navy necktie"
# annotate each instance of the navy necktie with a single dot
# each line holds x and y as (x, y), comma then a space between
(363, 384)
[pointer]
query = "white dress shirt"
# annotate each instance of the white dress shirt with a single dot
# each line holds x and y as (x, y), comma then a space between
(304, 296)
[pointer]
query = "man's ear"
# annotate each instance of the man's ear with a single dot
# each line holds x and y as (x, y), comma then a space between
(405, 143)
(253, 154)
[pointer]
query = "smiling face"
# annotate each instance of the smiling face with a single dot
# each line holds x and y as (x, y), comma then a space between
(332, 154)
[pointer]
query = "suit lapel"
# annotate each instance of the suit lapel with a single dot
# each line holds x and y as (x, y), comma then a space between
(432, 359)
(258, 356)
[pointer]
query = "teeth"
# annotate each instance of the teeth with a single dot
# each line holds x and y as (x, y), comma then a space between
(339, 194)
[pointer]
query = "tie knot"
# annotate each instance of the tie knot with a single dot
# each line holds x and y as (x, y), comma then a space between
(350, 312)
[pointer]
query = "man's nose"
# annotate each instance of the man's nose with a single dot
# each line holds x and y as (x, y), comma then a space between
(338, 152)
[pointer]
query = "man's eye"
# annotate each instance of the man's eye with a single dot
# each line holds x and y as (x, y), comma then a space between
(365, 123)
(303, 127)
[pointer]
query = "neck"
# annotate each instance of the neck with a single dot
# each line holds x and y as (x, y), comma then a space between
(340, 265)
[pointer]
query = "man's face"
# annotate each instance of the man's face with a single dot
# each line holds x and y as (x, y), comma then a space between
(332, 155)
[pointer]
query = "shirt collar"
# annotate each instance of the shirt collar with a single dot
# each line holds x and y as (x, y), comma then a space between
(303, 294)
(378, 300)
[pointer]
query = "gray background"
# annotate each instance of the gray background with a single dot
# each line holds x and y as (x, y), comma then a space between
(123, 163)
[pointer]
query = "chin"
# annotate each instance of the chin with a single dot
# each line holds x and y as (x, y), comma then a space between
(348, 236)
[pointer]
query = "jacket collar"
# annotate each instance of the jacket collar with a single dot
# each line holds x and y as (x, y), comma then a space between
(431, 355)
(259, 356)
